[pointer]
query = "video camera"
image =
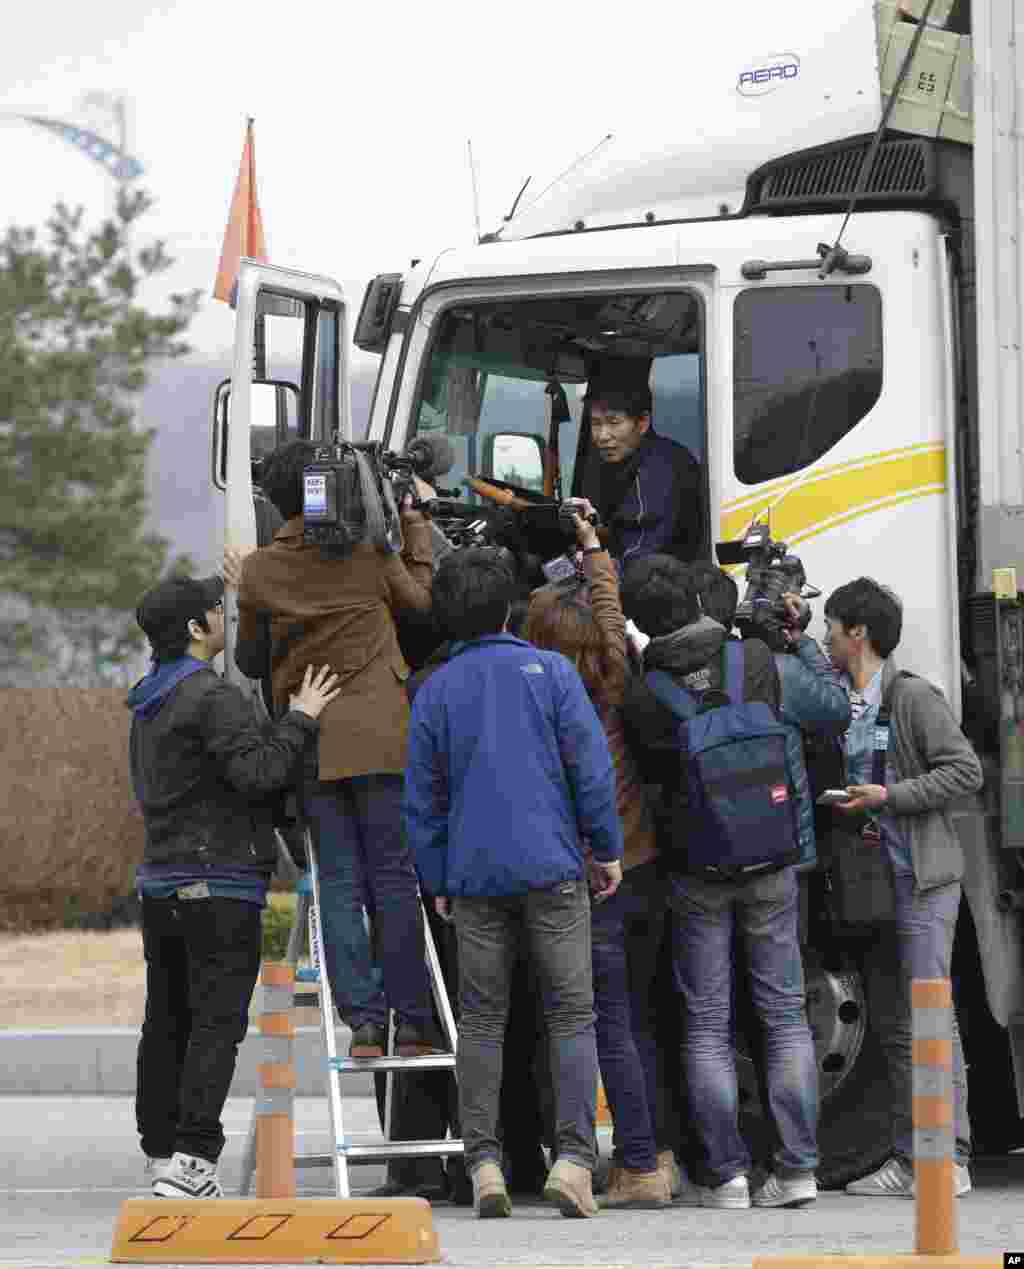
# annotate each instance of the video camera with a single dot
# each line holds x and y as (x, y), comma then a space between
(771, 573)
(351, 491)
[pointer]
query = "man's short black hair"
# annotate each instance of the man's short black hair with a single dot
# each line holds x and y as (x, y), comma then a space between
(281, 476)
(621, 384)
(164, 612)
(659, 593)
(865, 602)
(719, 594)
(473, 591)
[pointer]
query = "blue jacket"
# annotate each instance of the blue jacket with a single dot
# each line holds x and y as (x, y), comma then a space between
(812, 699)
(508, 768)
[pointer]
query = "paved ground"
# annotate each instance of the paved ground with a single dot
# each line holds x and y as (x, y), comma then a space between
(66, 1164)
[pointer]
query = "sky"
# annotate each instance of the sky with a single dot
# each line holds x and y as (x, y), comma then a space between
(362, 113)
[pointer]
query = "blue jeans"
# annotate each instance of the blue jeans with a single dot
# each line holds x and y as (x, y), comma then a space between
(555, 925)
(626, 931)
(704, 915)
(918, 944)
(357, 829)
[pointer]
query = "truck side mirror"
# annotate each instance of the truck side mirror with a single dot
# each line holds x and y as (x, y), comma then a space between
(274, 419)
(516, 458)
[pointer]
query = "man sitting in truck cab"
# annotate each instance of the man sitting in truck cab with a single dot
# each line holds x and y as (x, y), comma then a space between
(647, 488)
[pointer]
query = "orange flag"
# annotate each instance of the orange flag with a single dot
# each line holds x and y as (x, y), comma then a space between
(244, 233)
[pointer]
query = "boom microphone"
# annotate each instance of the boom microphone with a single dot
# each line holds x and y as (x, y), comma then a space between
(431, 456)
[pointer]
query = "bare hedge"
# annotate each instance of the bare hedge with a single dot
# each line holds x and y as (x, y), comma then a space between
(70, 830)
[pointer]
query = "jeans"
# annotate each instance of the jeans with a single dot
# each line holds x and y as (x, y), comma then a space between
(918, 944)
(357, 829)
(626, 932)
(765, 909)
(202, 962)
(555, 924)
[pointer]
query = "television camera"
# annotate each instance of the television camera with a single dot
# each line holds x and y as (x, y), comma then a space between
(352, 492)
(771, 573)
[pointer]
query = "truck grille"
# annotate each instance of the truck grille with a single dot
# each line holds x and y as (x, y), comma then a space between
(902, 170)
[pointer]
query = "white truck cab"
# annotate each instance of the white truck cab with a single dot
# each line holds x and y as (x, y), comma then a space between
(835, 394)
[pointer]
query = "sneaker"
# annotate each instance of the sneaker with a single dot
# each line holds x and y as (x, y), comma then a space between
(570, 1187)
(894, 1179)
(490, 1198)
(735, 1193)
(961, 1180)
(791, 1191)
(367, 1041)
(413, 1041)
(189, 1177)
(632, 1190)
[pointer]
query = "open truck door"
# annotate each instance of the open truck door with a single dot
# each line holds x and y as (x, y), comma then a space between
(307, 397)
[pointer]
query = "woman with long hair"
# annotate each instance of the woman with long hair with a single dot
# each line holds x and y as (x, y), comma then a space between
(584, 621)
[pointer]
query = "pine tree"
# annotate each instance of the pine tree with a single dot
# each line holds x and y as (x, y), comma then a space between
(76, 345)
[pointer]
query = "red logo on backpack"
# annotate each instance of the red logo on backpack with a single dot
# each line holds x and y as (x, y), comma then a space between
(779, 795)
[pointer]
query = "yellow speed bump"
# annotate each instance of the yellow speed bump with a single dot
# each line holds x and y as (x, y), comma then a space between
(275, 1231)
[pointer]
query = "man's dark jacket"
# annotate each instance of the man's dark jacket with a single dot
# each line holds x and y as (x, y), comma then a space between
(205, 764)
(652, 503)
(693, 657)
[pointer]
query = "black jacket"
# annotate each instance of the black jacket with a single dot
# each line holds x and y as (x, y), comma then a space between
(692, 656)
(205, 765)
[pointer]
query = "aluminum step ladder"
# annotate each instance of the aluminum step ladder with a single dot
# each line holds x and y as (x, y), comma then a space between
(308, 927)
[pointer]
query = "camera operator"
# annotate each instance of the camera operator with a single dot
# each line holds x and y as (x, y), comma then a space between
(812, 704)
(339, 608)
(203, 765)
(699, 670)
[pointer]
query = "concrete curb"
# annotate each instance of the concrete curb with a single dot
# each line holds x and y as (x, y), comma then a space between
(91, 1061)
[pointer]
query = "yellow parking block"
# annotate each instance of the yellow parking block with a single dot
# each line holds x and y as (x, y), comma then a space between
(276, 1231)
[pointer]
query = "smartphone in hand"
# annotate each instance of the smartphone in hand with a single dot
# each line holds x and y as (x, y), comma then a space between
(832, 797)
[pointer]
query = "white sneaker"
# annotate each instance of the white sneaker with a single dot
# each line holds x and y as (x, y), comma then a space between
(187, 1176)
(895, 1180)
(794, 1191)
(892, 1180)
(734, 1194)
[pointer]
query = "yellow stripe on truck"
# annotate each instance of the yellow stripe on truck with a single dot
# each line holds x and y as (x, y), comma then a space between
(838, 496)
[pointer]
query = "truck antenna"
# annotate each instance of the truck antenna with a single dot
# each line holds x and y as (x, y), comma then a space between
(476, 196)
(833, 256)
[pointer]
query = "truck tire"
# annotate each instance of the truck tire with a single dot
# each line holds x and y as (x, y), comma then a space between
(854, 1119)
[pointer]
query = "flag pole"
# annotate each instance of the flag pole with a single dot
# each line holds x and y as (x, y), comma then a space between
(259, 341)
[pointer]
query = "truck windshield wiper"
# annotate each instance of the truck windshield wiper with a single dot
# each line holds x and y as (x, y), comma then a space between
(831, 256)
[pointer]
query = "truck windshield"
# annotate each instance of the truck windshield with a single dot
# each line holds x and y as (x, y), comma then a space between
(485, 384)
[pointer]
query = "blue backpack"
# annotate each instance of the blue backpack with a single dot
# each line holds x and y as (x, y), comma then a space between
(742, 812)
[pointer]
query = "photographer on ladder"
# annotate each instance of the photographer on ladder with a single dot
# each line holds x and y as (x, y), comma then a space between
(339, 607)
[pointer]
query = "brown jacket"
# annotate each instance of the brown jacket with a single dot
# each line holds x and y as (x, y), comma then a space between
(631, 797)
(338, 613)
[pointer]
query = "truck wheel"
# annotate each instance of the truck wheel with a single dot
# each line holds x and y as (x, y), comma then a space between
(853, 1122)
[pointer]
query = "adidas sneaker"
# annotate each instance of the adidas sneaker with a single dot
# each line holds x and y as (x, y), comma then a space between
(189, 1177)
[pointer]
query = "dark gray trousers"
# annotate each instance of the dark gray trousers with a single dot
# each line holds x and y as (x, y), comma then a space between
(555, 926)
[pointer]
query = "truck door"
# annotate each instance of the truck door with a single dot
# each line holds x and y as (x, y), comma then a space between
(296, 324)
